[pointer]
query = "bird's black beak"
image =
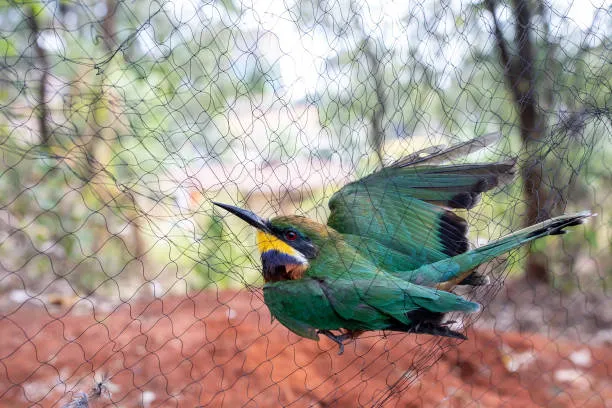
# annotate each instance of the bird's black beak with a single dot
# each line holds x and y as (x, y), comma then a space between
(246, 215)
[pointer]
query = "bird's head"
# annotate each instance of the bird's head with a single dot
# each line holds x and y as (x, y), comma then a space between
(286, 244)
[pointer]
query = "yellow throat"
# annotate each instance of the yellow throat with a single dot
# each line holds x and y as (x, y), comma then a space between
(268, 242)
(294, 261)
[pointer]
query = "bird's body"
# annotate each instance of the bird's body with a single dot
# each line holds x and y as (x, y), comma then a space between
(391, 252)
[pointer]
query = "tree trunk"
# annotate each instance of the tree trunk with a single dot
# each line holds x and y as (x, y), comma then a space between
(519, 76)
(377, 133)
(42, 108)
(138, 244)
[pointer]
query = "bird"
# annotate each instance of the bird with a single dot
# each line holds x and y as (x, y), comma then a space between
(392, 250)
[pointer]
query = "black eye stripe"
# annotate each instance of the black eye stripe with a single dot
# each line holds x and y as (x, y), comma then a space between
(301, 243)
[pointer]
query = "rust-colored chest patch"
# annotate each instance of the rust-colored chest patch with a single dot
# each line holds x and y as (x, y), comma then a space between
(296, 271)
(278, 273)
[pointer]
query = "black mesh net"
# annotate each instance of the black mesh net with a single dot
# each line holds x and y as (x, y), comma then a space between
(122, 121)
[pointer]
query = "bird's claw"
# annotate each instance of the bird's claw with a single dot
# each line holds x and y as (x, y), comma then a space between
(339, 340)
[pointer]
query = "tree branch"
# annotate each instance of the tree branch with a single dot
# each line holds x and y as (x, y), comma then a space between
(518, 72)
(378, 133)
(504, 55)
(43, 111)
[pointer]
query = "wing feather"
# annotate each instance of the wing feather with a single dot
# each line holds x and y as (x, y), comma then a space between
(405, 207)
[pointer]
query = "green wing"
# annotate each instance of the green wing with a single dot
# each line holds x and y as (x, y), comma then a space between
(401, 207)
(307, 305)
(372, 302)
(369, 298)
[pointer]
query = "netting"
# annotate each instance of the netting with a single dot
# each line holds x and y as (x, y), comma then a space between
(122, 121)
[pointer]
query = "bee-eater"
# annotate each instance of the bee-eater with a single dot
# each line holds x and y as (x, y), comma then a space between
(392, 249)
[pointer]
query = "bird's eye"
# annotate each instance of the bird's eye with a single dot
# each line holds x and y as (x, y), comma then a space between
(291, 235)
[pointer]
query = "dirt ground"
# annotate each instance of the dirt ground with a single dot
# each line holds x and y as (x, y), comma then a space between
(220, 349)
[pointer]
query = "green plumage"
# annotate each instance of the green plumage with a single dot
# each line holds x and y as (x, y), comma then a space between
(392, 249)
(343, 289)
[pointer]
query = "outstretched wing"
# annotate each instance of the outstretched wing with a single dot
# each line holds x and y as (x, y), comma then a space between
(404, 207)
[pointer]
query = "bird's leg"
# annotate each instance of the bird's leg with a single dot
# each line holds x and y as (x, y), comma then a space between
(337, 339)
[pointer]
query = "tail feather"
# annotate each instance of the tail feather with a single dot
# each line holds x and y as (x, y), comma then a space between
(449, 272)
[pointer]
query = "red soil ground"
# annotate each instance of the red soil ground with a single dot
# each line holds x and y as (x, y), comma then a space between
(221, 349)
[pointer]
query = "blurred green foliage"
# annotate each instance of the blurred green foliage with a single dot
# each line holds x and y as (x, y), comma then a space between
(142, 96)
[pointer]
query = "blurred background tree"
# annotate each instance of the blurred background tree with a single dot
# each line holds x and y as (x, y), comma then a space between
(120, 120)
(447, 75)
(102, 101)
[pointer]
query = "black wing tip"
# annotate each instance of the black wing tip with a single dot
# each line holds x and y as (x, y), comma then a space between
(499, 174)
(430, 328)
(557, 226)
(465, 200)
(425, 321)
(475, 279)
(452, 234)
(442, 331)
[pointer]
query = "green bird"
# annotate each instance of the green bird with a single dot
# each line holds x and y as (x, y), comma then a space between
(392, 249)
